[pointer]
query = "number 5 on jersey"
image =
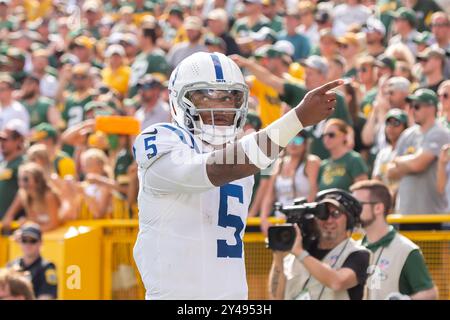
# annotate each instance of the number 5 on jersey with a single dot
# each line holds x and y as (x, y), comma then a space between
(225, 250)
(150, 146)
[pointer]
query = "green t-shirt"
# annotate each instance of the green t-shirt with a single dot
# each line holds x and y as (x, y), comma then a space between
(38, 110)
(385, 8)
(414, 276)
(293, 94)
(366, 104)
(424, 10)
(18, 77)
(6, 24)
(351, 73)
(145, 63)
(276, 24)
(8, 183)
(124, 160)
(73, 112)
(341, 173)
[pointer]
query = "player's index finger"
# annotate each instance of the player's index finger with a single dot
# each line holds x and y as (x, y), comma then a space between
(330, 85)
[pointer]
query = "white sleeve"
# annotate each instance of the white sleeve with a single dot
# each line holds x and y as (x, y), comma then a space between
(169, 161)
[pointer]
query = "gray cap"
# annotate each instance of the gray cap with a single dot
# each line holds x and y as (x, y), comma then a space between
(265, 33)
(399, 84)
(316, 62)
(32, 230)
(374, 25)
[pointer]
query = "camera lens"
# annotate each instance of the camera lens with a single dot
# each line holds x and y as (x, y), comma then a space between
(281, 237)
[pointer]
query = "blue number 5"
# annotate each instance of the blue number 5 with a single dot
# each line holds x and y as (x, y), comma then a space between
(150, 146)
(228, 220)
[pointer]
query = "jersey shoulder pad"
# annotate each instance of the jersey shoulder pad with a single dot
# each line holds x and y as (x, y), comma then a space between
(159, 139)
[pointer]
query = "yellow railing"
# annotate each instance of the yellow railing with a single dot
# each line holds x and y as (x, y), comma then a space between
(103, 249)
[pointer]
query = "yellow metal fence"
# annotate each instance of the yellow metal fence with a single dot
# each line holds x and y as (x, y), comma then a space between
(118, 277)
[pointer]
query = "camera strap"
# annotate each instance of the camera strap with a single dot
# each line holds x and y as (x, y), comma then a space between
(332, 266)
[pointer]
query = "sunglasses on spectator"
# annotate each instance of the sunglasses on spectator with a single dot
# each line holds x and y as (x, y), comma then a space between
(418, 106)
(393, 122)
(3, 138)
(25, 179)
(29, 241)
(330, 135)
(297, 141)
(368, 202)
(335, 214)
(362, 69)
(444, 96)
(80, 77)
(442, 24)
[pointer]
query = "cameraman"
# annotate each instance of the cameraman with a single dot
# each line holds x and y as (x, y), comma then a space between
(334, 268)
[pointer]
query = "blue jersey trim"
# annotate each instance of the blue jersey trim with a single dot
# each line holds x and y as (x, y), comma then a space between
(179, 132)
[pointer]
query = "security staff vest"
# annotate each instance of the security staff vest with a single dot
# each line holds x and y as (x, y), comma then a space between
(298, 279)
(386, 265)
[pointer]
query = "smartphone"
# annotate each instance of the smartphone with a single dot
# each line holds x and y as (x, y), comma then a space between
(125, 125)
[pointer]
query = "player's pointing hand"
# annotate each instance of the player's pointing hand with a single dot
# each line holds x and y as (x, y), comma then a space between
(318, 104)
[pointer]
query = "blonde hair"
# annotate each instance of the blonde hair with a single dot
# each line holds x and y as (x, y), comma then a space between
(39, 152)
(101, 158)
(400, 52)
(444, 84)
(42, 185)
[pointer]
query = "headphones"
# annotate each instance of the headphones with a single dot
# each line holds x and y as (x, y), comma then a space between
(352, 206)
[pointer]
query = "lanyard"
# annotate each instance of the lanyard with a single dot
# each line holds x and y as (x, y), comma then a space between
(332, 266)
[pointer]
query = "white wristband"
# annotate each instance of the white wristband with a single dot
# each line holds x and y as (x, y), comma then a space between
(254, 152)
(284, 129)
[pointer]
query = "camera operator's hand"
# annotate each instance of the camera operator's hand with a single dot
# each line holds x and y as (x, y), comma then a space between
(297, 248)
(278, 256)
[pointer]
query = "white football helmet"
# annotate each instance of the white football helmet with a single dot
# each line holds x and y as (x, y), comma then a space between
(205, 78)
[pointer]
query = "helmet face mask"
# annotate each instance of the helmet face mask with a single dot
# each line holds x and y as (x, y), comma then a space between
(214, 110)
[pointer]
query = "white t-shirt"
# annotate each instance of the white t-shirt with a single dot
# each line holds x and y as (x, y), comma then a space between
(48, 86)
(14, 111)
(345, 15)
(312, 33)
(189, 244)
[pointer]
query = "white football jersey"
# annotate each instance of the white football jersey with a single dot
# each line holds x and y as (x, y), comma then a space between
(190, 243)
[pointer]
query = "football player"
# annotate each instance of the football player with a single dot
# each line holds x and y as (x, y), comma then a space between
(196, 178)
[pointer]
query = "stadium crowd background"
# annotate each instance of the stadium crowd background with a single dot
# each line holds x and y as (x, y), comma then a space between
(63, 63)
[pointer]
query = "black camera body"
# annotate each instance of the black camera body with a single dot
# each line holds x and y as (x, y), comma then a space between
(282, 237)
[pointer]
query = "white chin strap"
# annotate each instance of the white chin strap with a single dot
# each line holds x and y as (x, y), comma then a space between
(217, 135)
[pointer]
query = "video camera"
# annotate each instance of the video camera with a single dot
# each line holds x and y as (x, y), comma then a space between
(282, 237)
